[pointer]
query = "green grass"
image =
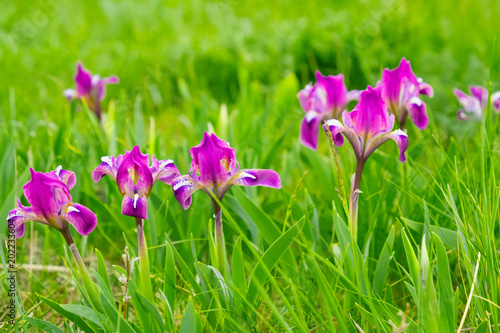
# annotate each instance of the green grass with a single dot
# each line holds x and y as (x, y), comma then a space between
(294, 267)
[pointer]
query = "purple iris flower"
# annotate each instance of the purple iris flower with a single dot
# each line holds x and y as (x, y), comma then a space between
(401, 90)
(368, 126)
(325, 100)
(51, 204)
(135, 178)
(475, 105)
(90, 87)
(214, 169)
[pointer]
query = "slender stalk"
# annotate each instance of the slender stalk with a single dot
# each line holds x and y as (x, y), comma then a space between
(353, 203)
(143, 260)
(220, 244)
(93, 295)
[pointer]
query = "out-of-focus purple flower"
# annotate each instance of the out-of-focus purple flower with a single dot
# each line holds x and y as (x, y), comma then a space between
(495, 100)
(214, 169)
(325, 100)
(135, 178)
(475, 104)
(90, 87)
(401, 90)
(367, 127)
(51, 204)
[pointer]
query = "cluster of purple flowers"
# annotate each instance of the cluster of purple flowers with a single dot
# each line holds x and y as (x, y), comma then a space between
(214, 168)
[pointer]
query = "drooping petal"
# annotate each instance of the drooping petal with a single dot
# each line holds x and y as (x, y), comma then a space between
(480, 94)
(109, 166)
(495, 100)
(418, 113)
(135, 165)
(183, 187)
(83, 80)
(164, 170)
(425, 88)
(471, 105)
(101, 85)
(135, 206)
(66, 176)
(398, 135)
(46, 195)
(256, 177)
(214, 159)
(309, 129)
(461, 115)
(336, 129)
(303, 96)
(80, 217)
(19, 216)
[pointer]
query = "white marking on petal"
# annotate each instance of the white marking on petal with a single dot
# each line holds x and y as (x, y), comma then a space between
(311, 115)
(400, 132)
(107, 160)
(322, 95)
(181, 184)
(70, 93)
(72, 209)
(415, 100)
(136, 197)
(244, 174)
(58, 170)
(420, 80)
(95, 79)
(165, 163)
(333, 122)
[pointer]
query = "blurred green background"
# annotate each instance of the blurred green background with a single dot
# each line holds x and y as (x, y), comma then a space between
(234, 67)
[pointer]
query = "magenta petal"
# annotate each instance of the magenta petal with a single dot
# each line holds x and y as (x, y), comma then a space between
(183, 187)
(82, 218)
(399, 82)
(19, 230)
(335, 128)
(303, 97)
(66, 176)
(418, 113)
(425, 89)
(108, 167)
(135, 165)
(19, 216)
(480, 94)
(214, 159)
(136, 206)
(398, 136)
(257, 177)
(83, 80)
(335, 89)
(371, 115)
(495, 100)
(309, 130)
(44, 193)
(164, 170)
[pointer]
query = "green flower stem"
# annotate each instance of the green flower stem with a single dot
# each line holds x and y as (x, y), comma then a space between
(146, 287)
(353, 203)
(220, 244)
(92, 292)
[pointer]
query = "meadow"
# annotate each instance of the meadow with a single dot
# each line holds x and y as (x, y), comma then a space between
(426, 256)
